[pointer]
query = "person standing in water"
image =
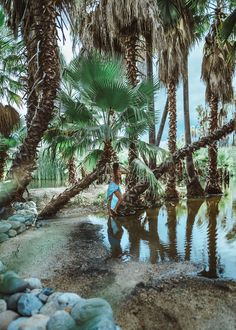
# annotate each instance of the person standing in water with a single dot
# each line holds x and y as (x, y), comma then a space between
(114, 194)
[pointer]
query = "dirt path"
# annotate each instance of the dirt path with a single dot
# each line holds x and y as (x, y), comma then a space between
(69, 254)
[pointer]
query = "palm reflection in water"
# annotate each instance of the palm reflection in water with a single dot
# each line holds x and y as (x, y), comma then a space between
(166, 234)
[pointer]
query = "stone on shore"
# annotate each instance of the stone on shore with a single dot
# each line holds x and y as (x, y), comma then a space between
(13, 300)
(12, 233)
(3, 306)
(4, 227)
(3, 237)
(6, 318)
(28, 304)
(3, 268)
(11, 283)
(61, 320)
(33, 283)
(36, 322)
(88, 309)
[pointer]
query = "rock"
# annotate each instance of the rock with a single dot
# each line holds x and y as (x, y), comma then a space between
(14, 224)
(50, 308)
(33, 283)
(43, 297)
(3, 306)
(54, 297)
(87, 309)
(3, 237)
(61, 320)
(6, 318)
(30, 205)
(36, 292)
(12, 233)
(68, 300)
(3, 268)
(11, 283)
(21, 229)
(28, 304)
(36, 322)
(21, 218)
(4, 227)
(99, 323)
(13, 300)
(18, 206)
(47, 291)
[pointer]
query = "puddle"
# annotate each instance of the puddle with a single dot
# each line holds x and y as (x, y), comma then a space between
(200, 231)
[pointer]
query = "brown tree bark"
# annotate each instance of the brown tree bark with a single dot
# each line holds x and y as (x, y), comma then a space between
(72, 171)
(151, 109)
(47, 78)
(162, 124)
(213, 186)
(3, 158)
(171, 192)
(194, 188)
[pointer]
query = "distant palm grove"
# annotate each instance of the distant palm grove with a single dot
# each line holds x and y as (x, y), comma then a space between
(100, 108)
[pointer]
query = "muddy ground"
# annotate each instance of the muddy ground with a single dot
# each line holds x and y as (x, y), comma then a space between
(68, 254)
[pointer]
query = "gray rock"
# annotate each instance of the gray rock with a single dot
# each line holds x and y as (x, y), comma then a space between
(13, 300)
(68, 300)
(11, 283)
(12, 233)
(14, 224)
(6, 318)
(3, 306)
(21, 218)
(4, 227)
(3, 268)
(50, 308)
(21, 229)
(3, 237)
(28, 304)
(54, 297)
(36, 292)
(99, 323)
(43, 297)
(30, 205)
(33, 283)
(88, 309)
(18, 206)
(61, 320)
(36, 322)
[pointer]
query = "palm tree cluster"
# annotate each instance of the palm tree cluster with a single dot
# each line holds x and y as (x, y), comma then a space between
(103, 101)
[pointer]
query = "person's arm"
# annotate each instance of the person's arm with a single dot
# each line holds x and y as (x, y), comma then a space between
(120, 199)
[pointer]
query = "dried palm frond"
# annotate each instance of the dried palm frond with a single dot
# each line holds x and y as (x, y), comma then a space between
(9, 118)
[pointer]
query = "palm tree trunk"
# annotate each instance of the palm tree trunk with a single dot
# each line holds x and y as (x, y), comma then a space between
(194, 188)
(212, 186)
(171, 192)
(162, 124)
(3, 157)
(72, 171)
(103, 167)
(134, 192)
(47, 77)
(151, 109)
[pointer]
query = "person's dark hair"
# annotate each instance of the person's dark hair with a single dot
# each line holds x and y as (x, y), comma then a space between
(115, 171)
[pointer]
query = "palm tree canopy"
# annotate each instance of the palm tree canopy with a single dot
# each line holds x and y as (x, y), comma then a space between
(9, 118)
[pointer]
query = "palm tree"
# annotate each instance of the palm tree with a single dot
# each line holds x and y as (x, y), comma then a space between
(9, 119)
(217, 73)
(103, 100)
(38, 23)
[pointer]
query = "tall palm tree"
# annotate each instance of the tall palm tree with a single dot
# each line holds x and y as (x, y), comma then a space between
(217, 73)
(37, 22)
(9, 119)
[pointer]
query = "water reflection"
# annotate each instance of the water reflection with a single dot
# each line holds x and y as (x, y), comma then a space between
(201, 231)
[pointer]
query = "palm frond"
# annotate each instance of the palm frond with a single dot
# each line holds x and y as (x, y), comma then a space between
(144, 173)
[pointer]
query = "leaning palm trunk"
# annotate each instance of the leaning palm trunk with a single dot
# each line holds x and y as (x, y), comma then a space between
(103, 167)
(3, 157)
(47, 78)
(72, 171)
(171, 192)
(162, 124)
(194, 188)
(212, 186)
(135, 192)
